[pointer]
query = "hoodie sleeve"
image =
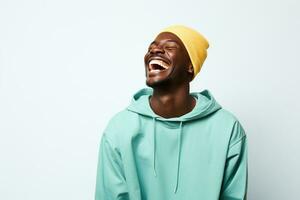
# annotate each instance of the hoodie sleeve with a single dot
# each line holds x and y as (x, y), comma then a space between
(235, 178)
(111, 182)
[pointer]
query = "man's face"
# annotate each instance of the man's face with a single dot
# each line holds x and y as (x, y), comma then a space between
(167, 61)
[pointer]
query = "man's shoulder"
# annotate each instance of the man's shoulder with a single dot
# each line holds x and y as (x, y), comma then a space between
(230, 120)
(122, 116)
(121, 122)
(225, 116)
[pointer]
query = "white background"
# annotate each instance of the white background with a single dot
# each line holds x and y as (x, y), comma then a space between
(66, 67)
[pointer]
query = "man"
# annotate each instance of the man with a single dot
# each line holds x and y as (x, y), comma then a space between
(170, 144)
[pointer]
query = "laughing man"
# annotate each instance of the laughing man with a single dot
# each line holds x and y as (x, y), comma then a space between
(170, 144)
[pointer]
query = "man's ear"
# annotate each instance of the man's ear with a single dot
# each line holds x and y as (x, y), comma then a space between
(190, 69)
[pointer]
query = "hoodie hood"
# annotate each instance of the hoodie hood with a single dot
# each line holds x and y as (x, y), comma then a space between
(205, 105)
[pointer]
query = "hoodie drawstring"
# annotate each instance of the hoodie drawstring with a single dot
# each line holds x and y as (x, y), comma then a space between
(178, 155)
(179, 138)
(154, 145)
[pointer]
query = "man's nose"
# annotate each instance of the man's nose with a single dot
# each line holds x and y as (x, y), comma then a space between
(157, 49)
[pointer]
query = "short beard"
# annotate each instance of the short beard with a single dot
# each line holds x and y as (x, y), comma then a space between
(160, 84)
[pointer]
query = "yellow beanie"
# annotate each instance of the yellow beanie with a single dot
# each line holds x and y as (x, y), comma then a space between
(194, 42)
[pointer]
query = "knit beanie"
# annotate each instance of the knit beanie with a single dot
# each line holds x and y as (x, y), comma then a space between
(195, 44)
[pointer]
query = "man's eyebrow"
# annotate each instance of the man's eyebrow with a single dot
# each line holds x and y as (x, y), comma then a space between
(152, 42)
(169, 40)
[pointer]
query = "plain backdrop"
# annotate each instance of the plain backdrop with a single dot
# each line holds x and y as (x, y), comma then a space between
(66, 67)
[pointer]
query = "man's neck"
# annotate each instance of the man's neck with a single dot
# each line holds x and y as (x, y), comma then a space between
(170, 103)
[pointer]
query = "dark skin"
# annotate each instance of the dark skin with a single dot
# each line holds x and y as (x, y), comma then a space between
(171, 86)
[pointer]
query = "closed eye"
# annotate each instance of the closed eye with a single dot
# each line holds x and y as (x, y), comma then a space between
(170, 47)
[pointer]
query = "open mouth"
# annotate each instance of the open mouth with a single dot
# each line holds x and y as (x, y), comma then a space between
(158, 65)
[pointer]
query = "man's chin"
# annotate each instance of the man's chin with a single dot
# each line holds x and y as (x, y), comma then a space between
(157, 83)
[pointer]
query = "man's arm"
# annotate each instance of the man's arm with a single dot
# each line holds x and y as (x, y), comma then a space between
(111, 183)
(235, 178)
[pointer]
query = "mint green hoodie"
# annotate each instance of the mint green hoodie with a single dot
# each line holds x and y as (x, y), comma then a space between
(201, 155)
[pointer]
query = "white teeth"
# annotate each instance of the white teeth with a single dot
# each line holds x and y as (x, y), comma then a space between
(160, 63)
